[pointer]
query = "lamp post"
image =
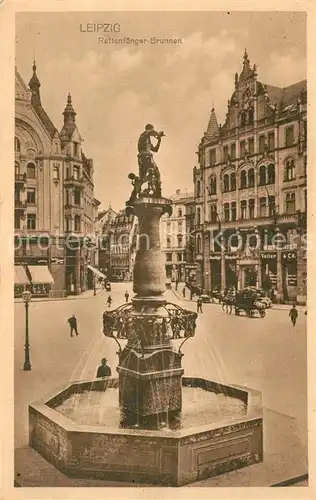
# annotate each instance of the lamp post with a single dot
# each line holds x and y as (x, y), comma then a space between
(27, 296)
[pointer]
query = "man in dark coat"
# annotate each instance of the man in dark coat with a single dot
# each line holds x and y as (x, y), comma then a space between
(73, 325)
(293, 315)
(104, 370)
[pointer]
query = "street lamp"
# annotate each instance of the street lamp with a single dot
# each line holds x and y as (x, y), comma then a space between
(27, 296)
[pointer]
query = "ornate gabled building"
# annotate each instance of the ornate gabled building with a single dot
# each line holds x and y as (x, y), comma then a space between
(55, 208)
(251, 190)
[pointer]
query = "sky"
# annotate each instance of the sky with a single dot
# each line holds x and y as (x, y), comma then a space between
(117, 89)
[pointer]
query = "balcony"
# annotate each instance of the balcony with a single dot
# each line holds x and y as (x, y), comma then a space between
(72, 182)
(20, 179)
(20, 205)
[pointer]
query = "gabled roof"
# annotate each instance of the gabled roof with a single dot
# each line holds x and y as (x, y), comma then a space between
(212, 128)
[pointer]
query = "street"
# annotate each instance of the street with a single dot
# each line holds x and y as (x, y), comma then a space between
(264, 354)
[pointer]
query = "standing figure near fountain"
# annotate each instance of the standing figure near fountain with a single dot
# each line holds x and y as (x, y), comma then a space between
(146, 162)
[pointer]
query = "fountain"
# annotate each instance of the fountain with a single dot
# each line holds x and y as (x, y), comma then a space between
(151, 424)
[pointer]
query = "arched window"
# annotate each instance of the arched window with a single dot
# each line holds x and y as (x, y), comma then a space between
(289, 170)
(271, 174)
(180, 240)
(17, 168)
(243, 209)
(251, 177)
(226, 183)
(290, 203)
(179, 212)
(263, 207)
(243, 179)
(262, 175)
(243, 119)
(198, 188)
(31, 171)
(250, 117)
(17, 145)
(251, 208)
(233, 181)
(213, 184)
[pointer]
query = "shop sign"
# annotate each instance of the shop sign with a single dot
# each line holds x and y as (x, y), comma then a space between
(268, 255)
(230, 257)
(292, 280)
(288, 256)
(215, 257)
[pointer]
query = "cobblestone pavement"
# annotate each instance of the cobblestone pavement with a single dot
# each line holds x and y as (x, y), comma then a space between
(264, 354)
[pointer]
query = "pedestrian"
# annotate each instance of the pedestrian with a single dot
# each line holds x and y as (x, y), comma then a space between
(199, 305)
(109, 301)
(305, 312)
(191, 294)
(126, 296)
(104, 370)
(73, 325)
(183, 292)
(293, 314)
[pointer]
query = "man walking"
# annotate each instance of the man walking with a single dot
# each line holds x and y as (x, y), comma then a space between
(183, 292)
(199, 305)
(73, 325)
(109, 301)
(126, 296)
(293, 315)
(104, 370)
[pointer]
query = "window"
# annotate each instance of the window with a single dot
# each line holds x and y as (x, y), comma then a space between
(30, 170)
(289, 136)
(77, 196)
(180, 240)
(243, 209)
(67, 172)
(250, 117)
(242, 149)
(17, 145)
(233, 151)
(271, 202)
(56, 172)
(251, 177)
(16, 168)
(168, 242)
(76, 149)
(212, 157)
(31, 221)
(243, 118)
(289, 170)
(263, 207)
(290, 203)
(270, 141)
(168, 227)
(233, 210)
(233, 181)
(77, 223)
(262, 143)
(271, 174)
(30, 197)
(305, 166)
(243, 179)
(180, 227)
(68, 224)
(76, 173)
(198, 188)
(56, 148)
(169, 257)
(198, 244)
(179, 256)
(179, 212)
(251, 205)
(67, 197)
(305, 200)
(226, 212)
(262, 175)
(17, 221)
(225, 153)
(198, 216)
(213, 213)
(226, 183)
(251, 145)
(213, 184)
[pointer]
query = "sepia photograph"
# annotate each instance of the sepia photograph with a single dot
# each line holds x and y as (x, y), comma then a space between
(160, 249)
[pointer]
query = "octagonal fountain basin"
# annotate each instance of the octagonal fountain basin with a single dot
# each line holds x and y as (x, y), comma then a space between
(82, 432)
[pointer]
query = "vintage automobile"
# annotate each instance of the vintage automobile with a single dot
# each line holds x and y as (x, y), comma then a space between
(207, 299)
(262, 297)
(247, 301)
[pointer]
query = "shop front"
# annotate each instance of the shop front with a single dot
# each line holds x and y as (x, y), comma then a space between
(268, 264)
(215, 269)
(289, 274)
(231, 271)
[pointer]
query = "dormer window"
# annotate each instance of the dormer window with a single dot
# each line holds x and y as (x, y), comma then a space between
(76, 149)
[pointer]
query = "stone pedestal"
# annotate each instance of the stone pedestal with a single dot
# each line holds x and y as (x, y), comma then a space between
(149, 369)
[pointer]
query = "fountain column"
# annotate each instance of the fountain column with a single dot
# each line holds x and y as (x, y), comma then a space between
(149, 369)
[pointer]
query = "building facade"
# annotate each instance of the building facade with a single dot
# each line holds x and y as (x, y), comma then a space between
(123, 240)
(251, 190)
(55, 208)
(177, 234)
(105, 220)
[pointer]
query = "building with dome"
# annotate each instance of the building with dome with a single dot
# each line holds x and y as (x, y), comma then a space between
(251, 190)
(54, 205)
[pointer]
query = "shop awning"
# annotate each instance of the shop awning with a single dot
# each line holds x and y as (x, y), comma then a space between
(40, 275)
(97, 272)
(20, 276)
